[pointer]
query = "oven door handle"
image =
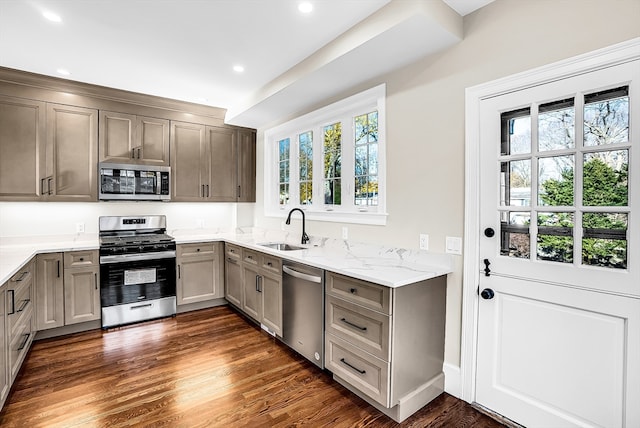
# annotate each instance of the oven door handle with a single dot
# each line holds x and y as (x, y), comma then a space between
(120, 258)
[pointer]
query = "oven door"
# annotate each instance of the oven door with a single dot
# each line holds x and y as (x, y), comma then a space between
(132, 281)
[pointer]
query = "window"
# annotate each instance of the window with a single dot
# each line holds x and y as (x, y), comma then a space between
(569, 189)
(345, 143)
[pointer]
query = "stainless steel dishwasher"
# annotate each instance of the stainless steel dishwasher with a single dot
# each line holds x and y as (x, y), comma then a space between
(303, 310)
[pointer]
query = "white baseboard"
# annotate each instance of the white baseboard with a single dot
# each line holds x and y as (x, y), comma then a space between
(452, 380)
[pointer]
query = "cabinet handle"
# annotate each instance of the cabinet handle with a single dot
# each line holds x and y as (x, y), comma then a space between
(202, 190)
(353, 290)
(81, 259)
(24, 305)
(179, 272)
(230, 260)
(138, 153)
(260, 283)
(342, 360)
(22, 276)
(257, 289)
(344, 320)
(95, 276)
(197, 249)
(24, 342)
(49, 181)
(133, 153)
(58, 268)
(238, 191)
(42, 192)
(269, 264)
(13, 302)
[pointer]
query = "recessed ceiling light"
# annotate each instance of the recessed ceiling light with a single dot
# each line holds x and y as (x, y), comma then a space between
(305, 7)
(53, 17)
(238, 68)
(63, 72)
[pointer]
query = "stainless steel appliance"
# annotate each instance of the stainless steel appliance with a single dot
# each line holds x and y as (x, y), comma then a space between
(137, 269)
(303, 310)
(134, 182)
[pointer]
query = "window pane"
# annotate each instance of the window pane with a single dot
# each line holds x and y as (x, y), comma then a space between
(606, 117)
(361, 186)
(515, 183)
(555, 181)
(306, 193)
(332, 192)
(516, 132)
(604, 241)
(605, 178)
(284, 172)
(361, 129)
(373, 126)
(284, 194)
(362, 165)
(514, 234)
(556, 125)
(305, 144)
(283, 146)
(555, 237)
(373, 159)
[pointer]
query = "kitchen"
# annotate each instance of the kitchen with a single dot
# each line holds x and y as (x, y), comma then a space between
(483, 54)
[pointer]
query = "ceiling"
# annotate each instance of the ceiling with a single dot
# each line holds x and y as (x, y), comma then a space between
(187, 49)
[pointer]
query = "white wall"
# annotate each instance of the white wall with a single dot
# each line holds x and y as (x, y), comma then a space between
(52, 218)
(425, 118)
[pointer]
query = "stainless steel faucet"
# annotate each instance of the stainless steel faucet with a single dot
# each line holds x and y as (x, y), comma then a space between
(305, 238)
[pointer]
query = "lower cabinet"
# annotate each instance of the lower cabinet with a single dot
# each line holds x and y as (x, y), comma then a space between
(254, 285)
(199, 272)
(67, 288)
(81, 287)
(386, 344)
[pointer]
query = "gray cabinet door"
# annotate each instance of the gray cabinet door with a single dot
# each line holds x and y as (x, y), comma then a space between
(49, 291)
(22, 139)
(222, 174)
(152, 137)
(72, 153)
(117, 133)
(233, 282)
(81, 295)
(252, 300)
(188, 148)
(246, 166)
(272, 302)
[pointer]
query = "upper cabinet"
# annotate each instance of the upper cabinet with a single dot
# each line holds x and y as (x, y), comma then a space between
(71, 154)
(22, 140)
(209, 163)
(47, 151)
(130, 139)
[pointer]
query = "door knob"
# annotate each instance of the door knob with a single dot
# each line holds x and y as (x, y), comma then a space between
(487, 294)
(489, 232)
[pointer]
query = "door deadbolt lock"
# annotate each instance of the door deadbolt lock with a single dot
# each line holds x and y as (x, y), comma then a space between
(487, 294)
(489, 232)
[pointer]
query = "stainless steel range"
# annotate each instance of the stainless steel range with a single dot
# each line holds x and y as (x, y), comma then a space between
(137, 269)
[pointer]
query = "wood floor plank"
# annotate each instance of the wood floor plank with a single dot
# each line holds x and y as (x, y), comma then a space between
(208, 368)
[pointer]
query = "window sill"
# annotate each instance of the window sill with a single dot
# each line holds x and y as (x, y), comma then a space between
(370, 218)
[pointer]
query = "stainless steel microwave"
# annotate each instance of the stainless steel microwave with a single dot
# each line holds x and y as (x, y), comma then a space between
(134, 182)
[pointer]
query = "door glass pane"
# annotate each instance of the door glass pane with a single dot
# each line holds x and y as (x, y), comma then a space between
(605, 177)
(556, 125)
(604, 241)
(514, 234)
(516, 132)
(515, 183)
(555, 181)
(555, 236)
(606, 117)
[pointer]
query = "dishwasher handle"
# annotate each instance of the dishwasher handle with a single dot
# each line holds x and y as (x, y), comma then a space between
(301, 275)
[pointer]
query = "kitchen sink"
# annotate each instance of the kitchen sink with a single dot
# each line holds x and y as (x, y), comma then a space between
(282, 246)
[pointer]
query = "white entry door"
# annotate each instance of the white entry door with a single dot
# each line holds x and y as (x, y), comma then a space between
(559, 313)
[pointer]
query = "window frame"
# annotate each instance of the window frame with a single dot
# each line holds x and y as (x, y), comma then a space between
(343, 111)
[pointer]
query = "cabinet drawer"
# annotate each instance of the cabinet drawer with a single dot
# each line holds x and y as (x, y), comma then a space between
(198, 249)
(249, 256)
(373, 296)
(76, 259)
(19, 303)
(367, 329)
(20, 343)
(24, 275)
(365, 372)
(272, 264)
(234, 252)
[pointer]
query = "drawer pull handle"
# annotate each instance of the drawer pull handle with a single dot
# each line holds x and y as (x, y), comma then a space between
(13, 302)
(148, 305)
(344, 320)
(22, 276)
(342, 360)
(353, 290)
(269, 264)
(24, 341)
(24, 305)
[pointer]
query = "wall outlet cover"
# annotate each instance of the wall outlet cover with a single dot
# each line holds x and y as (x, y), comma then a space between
(424, 241)
(79, 227)
(345, 232)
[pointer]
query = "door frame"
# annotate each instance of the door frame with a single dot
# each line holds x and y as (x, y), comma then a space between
(581, 64)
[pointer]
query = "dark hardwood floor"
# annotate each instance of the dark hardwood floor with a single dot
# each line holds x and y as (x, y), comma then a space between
(205, 368)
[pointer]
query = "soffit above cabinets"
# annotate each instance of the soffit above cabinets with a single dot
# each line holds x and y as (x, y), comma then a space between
(186, 49)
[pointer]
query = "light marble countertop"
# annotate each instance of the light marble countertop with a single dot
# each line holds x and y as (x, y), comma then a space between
(388, 266)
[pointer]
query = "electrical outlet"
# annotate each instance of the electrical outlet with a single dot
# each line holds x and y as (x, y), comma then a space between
(79, 227)
(345, 232)
(454, 245)
(424, 241)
